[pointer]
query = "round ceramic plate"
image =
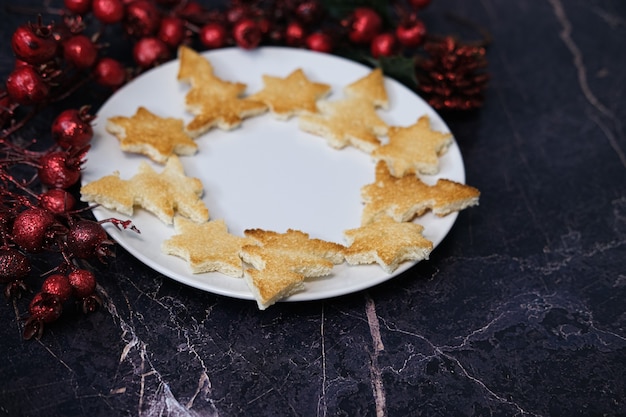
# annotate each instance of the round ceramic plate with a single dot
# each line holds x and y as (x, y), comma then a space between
(266, 173)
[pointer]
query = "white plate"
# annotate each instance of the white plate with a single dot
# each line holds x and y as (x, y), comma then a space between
(267, 173)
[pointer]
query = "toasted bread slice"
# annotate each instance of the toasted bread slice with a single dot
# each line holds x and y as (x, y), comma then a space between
(292, 95)
(280, 262)
(387, 243)
(163, 194)
(151, 135)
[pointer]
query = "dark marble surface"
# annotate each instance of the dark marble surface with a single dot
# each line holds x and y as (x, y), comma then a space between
(520, 311)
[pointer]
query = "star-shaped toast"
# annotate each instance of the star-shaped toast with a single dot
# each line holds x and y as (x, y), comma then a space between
(282, 261)
(213, 101)
(387, 243)
(415, 148)
(370, 88)
(162, 194)
(206, 247)
(407, 197)
(151, 135)
(196, 70)
(292, 95)
(349, 121)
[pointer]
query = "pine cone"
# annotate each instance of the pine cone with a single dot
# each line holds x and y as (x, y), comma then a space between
(452, 76)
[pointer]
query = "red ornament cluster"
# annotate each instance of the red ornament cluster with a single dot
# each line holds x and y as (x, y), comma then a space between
(39, 216)
(452, 75)
(38, 210)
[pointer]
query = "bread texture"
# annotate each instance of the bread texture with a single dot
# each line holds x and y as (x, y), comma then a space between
(404, 198)
(163, 194)
(348, 121)
(387, 243)
(280, 262)
(214, 102)
(207, 247)
(413, 149)
(370, 88)
(151, 135)
(292, 95)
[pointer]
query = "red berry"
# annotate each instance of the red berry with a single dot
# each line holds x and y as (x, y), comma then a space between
(14, 265)
(77, 6)
(26, 86)
(172, 31)
(412, 33)
(142, 18)
(109, 72)
(213, 35)
(320, 42)
(86, 239)
(31, 229)
(59, 169)
(384, 44)
(83, 282)
(57, 201)
(149, 52)
(80, 51)
(295, 34)
(364, 24)
(108, 11)
(34, 44)
(59, 285)
(72, 128)
(45, 307)
(247, 34)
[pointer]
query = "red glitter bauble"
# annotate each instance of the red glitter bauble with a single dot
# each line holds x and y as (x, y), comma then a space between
(384, 44)
(213, 35)
(108, 11)
(26, 86)
(14, 265)
(247, 34)
(80, 51)
(110, 73)
(364, 24)
(142, 18)
(59, 285)
(171, 31)
(57, 201)
(45, 307)
(31, 228)
(77, 6)
(295, 34)
(34, 44)
(83, 282)
(320, 42)
(411, 33)
(86, 239)
(59, 169)
(72, 128)
(149, 52)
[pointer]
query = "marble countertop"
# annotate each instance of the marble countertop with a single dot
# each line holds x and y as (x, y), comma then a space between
(520, 311)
